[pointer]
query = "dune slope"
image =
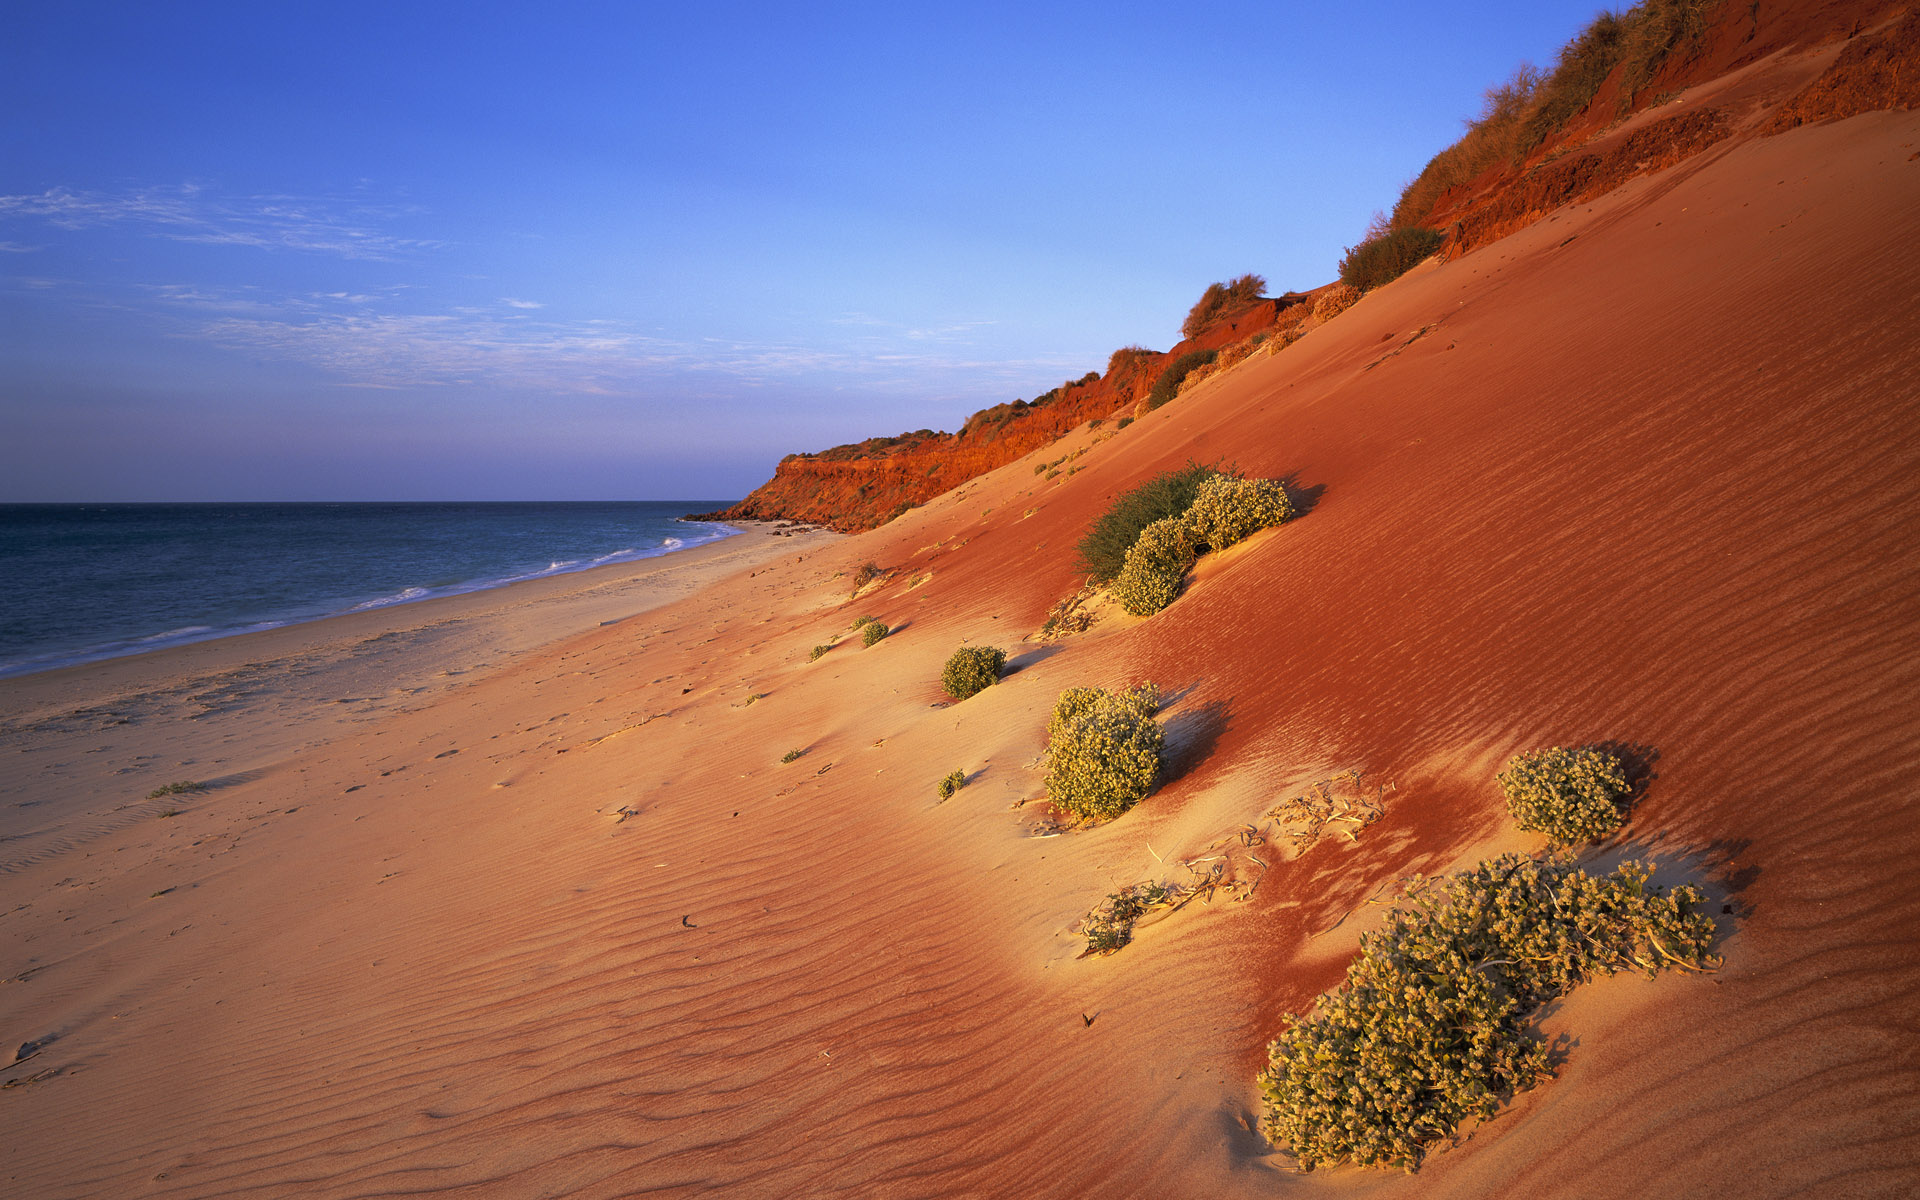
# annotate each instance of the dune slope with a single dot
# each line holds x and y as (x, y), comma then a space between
(1644, 471)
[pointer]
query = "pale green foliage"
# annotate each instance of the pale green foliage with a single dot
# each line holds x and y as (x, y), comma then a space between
(819, 650)
(858, 622)
(872, 632)
(1103, 750)
(1227, 510)
(1571, 795)
(1155, 566)
(951, 784)
(1430, 1027)
(972, 669)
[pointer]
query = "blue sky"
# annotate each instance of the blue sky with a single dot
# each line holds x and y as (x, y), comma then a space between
(612, 251)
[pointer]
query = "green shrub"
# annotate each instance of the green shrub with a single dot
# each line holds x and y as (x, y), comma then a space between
(1571, 795)
(1167, 386)
(1430, 1027)
(1103, 551)
(176, 789)
(793, 755)
(1226, 510)
(971, 670)
(1218, 299)
(1103, 750)
(1387, 257)
(1123, 422)
(864, 621)
(819, 650)
(873, 632)
(866, 575)
(951, 784)
(1155, 566)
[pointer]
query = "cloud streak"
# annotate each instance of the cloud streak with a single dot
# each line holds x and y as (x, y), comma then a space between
(188, 213)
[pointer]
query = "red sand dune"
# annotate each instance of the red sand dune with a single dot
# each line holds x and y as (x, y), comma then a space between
(1646, 470)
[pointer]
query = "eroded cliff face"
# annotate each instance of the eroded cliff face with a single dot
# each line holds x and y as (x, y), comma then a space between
(1757, 70)
(855, 487)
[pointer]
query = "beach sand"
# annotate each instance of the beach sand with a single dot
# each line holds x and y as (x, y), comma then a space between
(490, 898)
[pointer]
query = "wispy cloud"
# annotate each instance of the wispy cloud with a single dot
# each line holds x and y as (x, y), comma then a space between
(188, 213)
(16, 248)
(510, 302)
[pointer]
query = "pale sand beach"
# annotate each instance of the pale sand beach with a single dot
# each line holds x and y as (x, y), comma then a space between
(513, 895)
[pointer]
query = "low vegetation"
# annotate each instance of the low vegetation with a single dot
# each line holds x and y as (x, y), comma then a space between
(1103, 750)
(1219, 299)
(1103, 551)
(817, 651)
(872, 632)
(793, 756)
(1334, 301)
(972, 670)
(867, 574)
(180, 788)
(1158, 561)
(1571, 795)
(1167, 386)
(952, 783)
(1109, 927)
(1227, 510)
(1533, 105)
(1387, 256)
(1431, 1027)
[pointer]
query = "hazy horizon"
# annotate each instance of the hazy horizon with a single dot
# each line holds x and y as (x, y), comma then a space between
(641, 252)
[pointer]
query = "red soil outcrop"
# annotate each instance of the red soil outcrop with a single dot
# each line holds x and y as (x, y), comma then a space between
(865, 484)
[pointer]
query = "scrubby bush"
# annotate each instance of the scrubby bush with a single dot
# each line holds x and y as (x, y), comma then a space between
(1109, 927)
(951, 784)
(1227, 510)
(867, 574)
(971, 670)
(1103, 551)
(1103, 750)
(1388, 256)
(1218, 299)
(873, 632)
(1167, 386)
(822, 648)
(793, 756)
(1571, 795)
(1158, 561)
(1430, 1027)
(1334, 301)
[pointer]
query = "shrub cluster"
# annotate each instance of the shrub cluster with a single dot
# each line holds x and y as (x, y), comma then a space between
(951, 784)
(971, 670)
(1103, 750)
(817, 651)
(1571, 795)
(1227, 510)
(1167, 386)
(1430, 1027)
(1334, 301)
(1387, 256)
(1219, 298)
(1103, 551)
(1158, 561)
(872, 632)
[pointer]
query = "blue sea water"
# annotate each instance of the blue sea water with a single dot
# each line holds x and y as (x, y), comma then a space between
(87, 581)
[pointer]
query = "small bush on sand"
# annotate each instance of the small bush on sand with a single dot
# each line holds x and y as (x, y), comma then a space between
(1334, 301)
(864, 621)
(1167, 386)
(1431, 1026)
(872, 632)
(176, 789)
(971, 670)
(866, 575)
(1103, 551)
(1110, 926)
(1571, 795)
(1220, 298)
(1103, 750)
(793, 756)
(1388, 256)
(817, 651)
(1227, 510)
(1155, 566)
(951, 784)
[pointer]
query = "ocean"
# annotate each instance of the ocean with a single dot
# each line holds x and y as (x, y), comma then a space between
(80, 582)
